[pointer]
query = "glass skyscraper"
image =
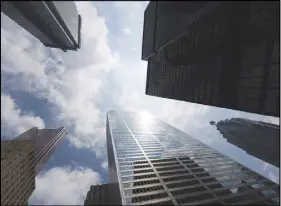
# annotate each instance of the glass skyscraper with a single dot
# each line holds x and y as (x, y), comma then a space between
(259, 139)
(157, 164)
(56, 24)
(219, 53)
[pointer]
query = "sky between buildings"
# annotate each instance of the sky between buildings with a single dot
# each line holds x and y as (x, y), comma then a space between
(48, 88)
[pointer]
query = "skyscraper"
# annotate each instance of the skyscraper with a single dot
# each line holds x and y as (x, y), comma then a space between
(157, 164)
(223, 54)
(259, 139)
(45, 140)
(56, 24)
(17, 171)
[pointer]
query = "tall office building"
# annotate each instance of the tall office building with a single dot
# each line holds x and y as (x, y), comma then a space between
(106, 194)
(157, 164)
(17, 171)
(46, 141)
(259, 139)
(217, 53)
(56, 24)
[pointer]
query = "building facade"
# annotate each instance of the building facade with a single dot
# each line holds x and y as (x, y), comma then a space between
(106, 194)
(46, 141)
(157, 164)
(56, 24)
(223, 54)
(17, 171)
(260, 139)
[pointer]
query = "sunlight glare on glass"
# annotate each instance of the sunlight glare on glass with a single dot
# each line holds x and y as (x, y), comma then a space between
(146, 118)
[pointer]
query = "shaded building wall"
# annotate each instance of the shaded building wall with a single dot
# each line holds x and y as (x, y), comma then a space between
(256, 138)
(46, 141)
(223, 54)
(110, 154)
(17, 171)
(106, 194)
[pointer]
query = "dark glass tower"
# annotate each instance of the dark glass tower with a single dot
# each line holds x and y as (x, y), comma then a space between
(259, 139)
(157, 164)
(106, 194)
(223, 54)
(46, 141)
(56, 24)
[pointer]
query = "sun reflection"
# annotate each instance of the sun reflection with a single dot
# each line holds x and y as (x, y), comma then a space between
(146, 118)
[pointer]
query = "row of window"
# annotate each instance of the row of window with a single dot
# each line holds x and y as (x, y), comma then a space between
(127, 173)
(128, 150)
(134, 167)
(146, 198)
(143, 190)
(166, 164)
(131, 159)
(169, 168)
(140, 183)
(133, 163)
(139, 177)
(130, 155)
(153, 150)
(149, 149)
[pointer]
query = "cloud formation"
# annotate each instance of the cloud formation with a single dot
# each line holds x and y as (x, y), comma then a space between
(64, 186)
(14, 121)
(70, 81)
(127, 31)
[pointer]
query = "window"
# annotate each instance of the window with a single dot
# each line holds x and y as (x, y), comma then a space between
(190, 199)
(178, 178)
(131, 178)
(133, 163)
(126, 173)
(148, 197)
(143, 190)
(169, 168)
(140, 183)
(174, 173)
(163, 160)
(133, 167)
(183, 184)
(166, 164)
(162, 203)
(188, 190)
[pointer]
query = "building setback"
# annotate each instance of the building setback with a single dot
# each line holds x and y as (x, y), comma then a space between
(223, 54)
(157, 164)
(17, 171)
(46, 141)
(260, 139)
(56, 24)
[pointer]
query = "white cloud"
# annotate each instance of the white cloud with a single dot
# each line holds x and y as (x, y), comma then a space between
(14, 121)
(127, 31)
(64, 186)
(70, 81)
(104, 165)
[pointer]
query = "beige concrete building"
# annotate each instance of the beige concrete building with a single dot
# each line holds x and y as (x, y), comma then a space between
(17, 171)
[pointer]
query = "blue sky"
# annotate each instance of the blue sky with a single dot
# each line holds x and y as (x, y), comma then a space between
(48, 88)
